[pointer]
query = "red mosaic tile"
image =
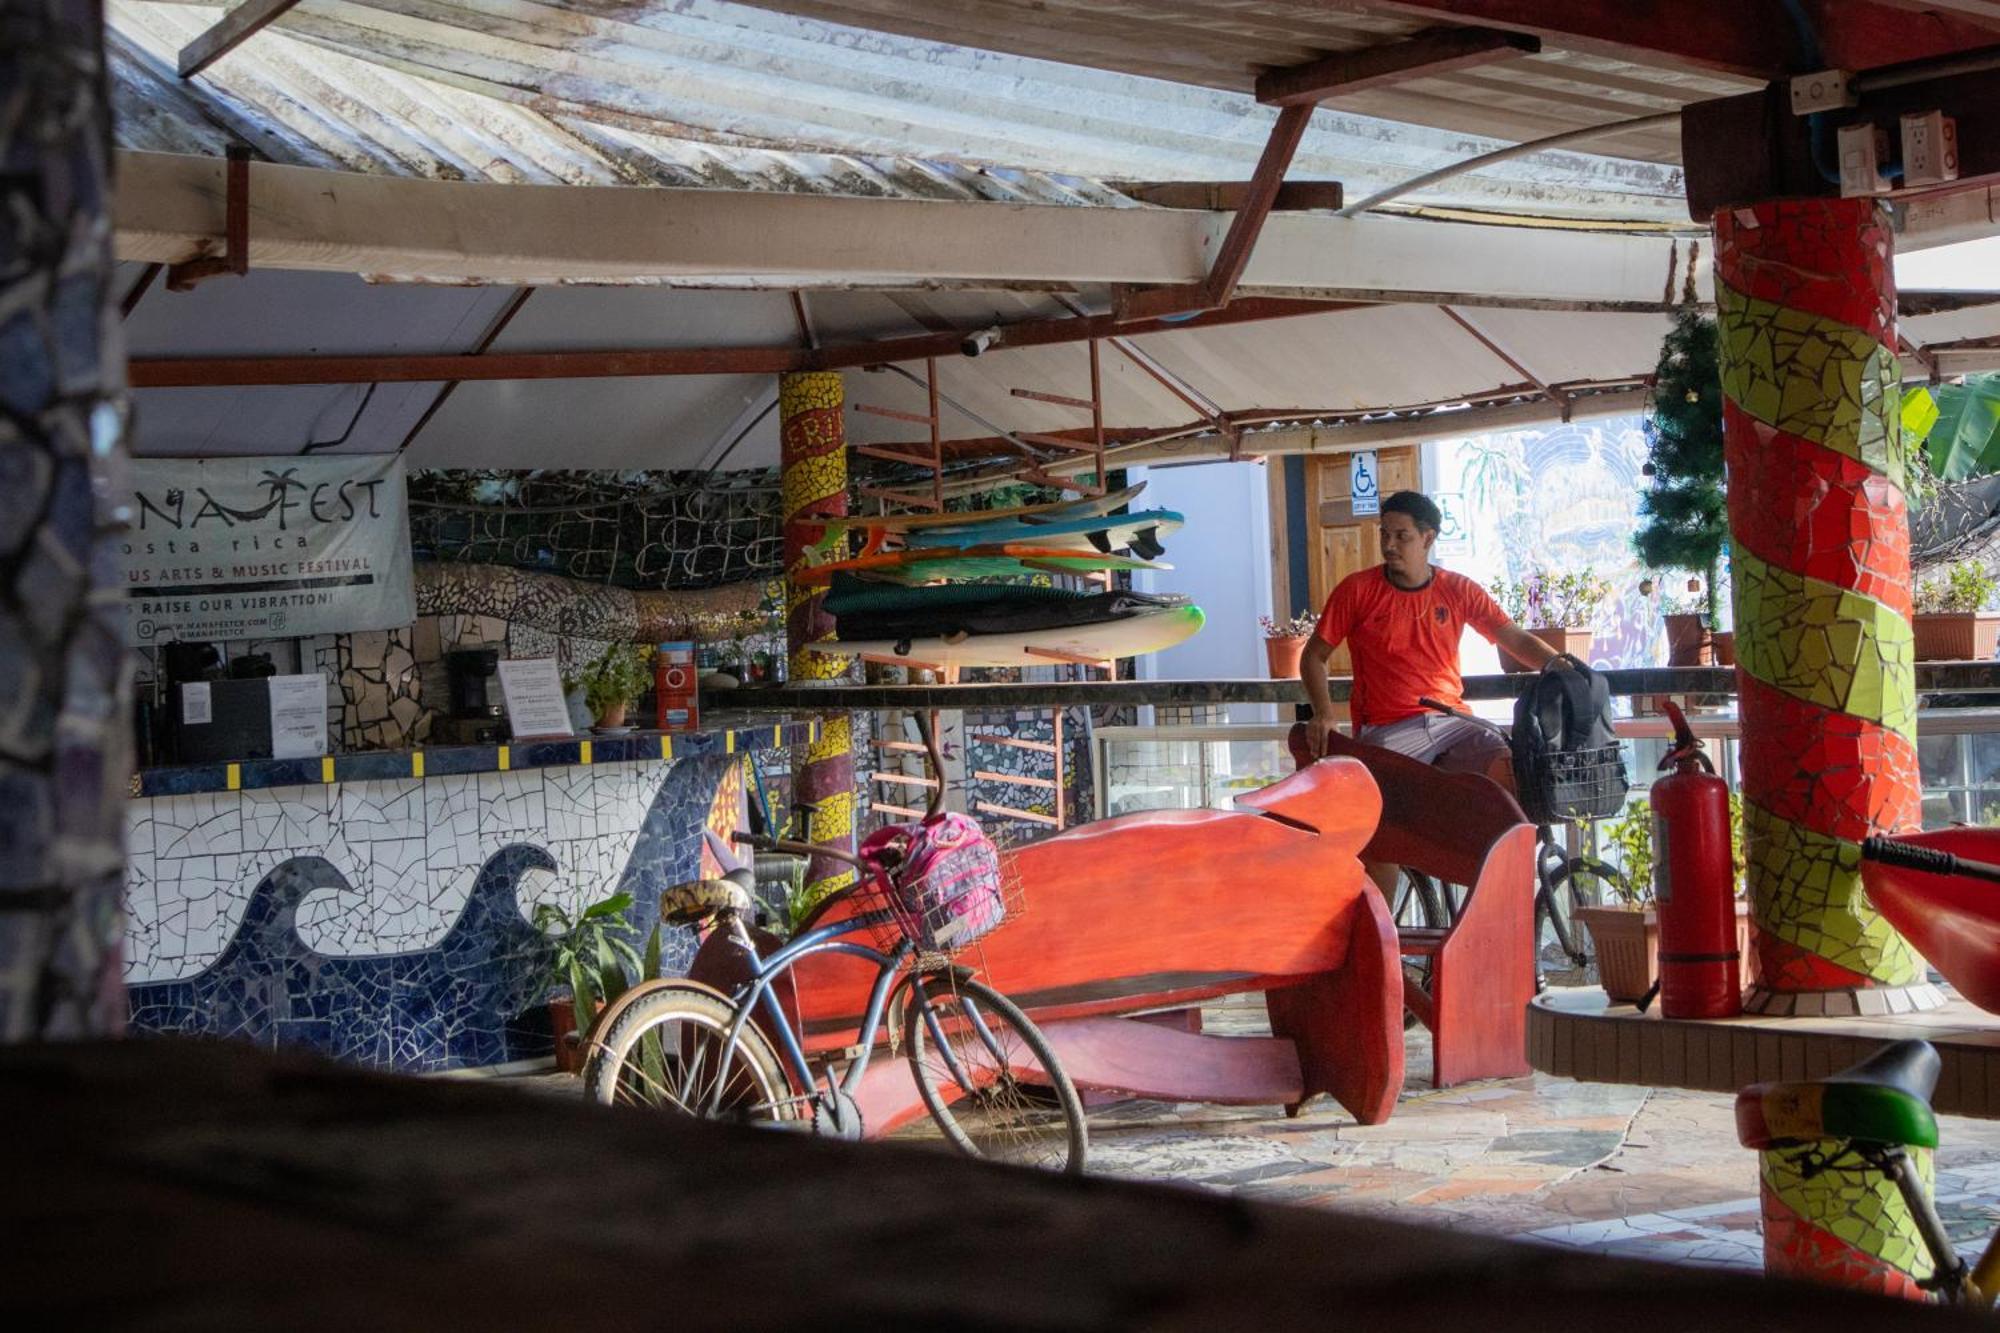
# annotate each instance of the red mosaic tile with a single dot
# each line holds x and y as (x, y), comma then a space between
(1810, 510)
(1837, 775)
(1828, 256)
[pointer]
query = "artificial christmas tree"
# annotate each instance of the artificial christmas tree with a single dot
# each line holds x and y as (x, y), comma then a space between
(1684, 515)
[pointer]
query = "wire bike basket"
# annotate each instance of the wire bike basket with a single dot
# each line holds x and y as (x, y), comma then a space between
(942, 880)
(1562, 786)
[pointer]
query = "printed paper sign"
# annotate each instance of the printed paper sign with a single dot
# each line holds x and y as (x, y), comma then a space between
(298, 716)
(532, 688)
(197, 704)
(1364, 479)
(243, 548)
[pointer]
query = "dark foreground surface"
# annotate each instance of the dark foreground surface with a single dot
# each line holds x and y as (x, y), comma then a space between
(170, 1185)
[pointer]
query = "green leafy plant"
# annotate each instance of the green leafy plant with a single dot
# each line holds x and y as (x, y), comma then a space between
(1964, 439)
(1629, 839)
(1966, 588)
(594, 957)
(1684, 514)
(1553, 601)
(618, 675)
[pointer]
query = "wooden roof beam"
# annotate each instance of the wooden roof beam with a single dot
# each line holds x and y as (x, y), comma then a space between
(1439, 51)
(1228, 196)
(229, 32)
(1754, 41)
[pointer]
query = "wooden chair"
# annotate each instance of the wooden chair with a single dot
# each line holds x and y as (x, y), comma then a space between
(1458, 828)
(1166, 909)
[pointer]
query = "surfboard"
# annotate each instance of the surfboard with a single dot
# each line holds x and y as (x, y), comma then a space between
(1130, 636)
(1084, 507)
(1139, 531)
(926, 563)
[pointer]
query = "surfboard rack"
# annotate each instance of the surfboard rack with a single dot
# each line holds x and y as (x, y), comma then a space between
(931, 460)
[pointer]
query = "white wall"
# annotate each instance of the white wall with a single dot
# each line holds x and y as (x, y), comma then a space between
(1222, 560)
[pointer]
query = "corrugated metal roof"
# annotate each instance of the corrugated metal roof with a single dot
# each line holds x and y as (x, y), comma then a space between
(310, 104)
(708, 92)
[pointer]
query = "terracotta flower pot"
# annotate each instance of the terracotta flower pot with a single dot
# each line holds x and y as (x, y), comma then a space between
(1956, 636)
(1688, 640)
(1283, 656)
(1724, 643)
(569, 1045)
(614, 716)
(1563, 639)
(1626, 941)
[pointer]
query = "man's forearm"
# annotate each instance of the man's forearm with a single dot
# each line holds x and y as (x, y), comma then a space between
(1525, 646)
(1312, 674)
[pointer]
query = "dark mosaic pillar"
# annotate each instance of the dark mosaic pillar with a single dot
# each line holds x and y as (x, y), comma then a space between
(813, 463)
(64, 750)
(1821, 563)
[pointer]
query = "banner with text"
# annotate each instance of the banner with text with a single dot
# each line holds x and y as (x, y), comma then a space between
(257, 548)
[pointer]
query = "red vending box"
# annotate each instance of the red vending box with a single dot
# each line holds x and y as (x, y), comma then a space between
(675, 685)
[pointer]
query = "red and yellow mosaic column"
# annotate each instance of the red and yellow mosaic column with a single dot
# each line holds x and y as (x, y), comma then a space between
(1821, 568)
(813, 464)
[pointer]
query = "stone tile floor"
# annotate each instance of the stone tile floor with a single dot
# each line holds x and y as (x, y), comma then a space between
(1651, 1172)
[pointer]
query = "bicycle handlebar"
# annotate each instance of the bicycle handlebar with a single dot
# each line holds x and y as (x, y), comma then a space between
(1913, 857)
(1437, 707)
(765, 843)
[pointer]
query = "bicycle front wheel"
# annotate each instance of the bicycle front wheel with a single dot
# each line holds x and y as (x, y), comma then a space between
(667, 1052)
(1581, 881)
(989, 1079)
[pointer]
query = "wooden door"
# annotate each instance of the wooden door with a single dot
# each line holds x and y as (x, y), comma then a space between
(1344, 544)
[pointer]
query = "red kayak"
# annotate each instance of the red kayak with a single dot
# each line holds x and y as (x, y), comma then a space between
(1952, 919)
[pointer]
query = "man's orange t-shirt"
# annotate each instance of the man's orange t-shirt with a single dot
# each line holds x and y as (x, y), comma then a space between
(1404, 641)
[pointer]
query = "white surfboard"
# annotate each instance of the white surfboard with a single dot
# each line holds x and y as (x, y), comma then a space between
(1128, 636)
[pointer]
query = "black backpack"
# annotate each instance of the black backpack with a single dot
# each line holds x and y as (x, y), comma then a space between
(1567, 762)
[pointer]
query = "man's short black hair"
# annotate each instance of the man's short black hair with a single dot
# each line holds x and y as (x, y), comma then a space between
(1418, 506)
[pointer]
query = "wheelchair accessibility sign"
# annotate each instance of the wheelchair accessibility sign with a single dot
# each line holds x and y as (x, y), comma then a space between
(1364, 483)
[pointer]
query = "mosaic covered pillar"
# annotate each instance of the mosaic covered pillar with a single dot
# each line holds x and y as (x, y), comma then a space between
(1826, 678)
(1821, 563)
(813, 460)
(65, 707)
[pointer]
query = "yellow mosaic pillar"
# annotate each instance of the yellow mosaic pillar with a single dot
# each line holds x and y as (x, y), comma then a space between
(813, 464)
(1826, 680)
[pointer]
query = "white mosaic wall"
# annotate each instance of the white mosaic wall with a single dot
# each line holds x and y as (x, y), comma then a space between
(411, 849)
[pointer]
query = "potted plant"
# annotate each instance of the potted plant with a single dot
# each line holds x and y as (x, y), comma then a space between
(1625, 935)
(594, 963)
(1690, 641)
(1285, 642)
(1954, 620)
(1558, 609)
(613, 680)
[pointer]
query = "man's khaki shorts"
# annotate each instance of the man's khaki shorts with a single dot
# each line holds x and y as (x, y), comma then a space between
(1433, 738)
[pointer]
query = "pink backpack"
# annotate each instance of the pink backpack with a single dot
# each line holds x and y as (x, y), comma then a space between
(946, 890)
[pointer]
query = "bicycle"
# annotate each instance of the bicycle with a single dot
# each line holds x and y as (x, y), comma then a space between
(983, 1070)
(1563, 882)
(1872, 1114)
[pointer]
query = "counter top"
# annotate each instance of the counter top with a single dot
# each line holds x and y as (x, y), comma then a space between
(738, 733)
(1932, 678)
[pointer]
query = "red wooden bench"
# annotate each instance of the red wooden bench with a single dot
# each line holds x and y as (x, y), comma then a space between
(1459, 828)
(1169, 908)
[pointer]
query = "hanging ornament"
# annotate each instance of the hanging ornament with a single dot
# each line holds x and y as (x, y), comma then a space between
(1645, 587)
(1694, 585)
(1646, 471)
(1694, 395)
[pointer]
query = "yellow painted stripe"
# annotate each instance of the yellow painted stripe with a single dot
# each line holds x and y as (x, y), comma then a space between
(666, 747)
(416, 763)
(583, 757)
(778, 734)
(326, 769)
(729, 742)
(235, 778)
(812, 732)
(506, 757)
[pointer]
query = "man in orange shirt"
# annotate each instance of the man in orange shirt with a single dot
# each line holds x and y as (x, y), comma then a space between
(1401, 622)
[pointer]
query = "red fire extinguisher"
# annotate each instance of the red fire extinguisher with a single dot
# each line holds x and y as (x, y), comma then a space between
(1693, 883)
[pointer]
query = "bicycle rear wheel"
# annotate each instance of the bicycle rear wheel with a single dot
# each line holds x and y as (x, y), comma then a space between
(1580, 881)
(666, 1052)
(1420, 902)
(988, 1077)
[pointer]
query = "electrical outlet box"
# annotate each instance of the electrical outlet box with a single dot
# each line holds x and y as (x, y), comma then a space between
(1930, 148)
(1862, 151)
(1825, 90)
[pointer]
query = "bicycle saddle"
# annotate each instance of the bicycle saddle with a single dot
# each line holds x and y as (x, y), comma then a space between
(697, 900)
(1886, 1099)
